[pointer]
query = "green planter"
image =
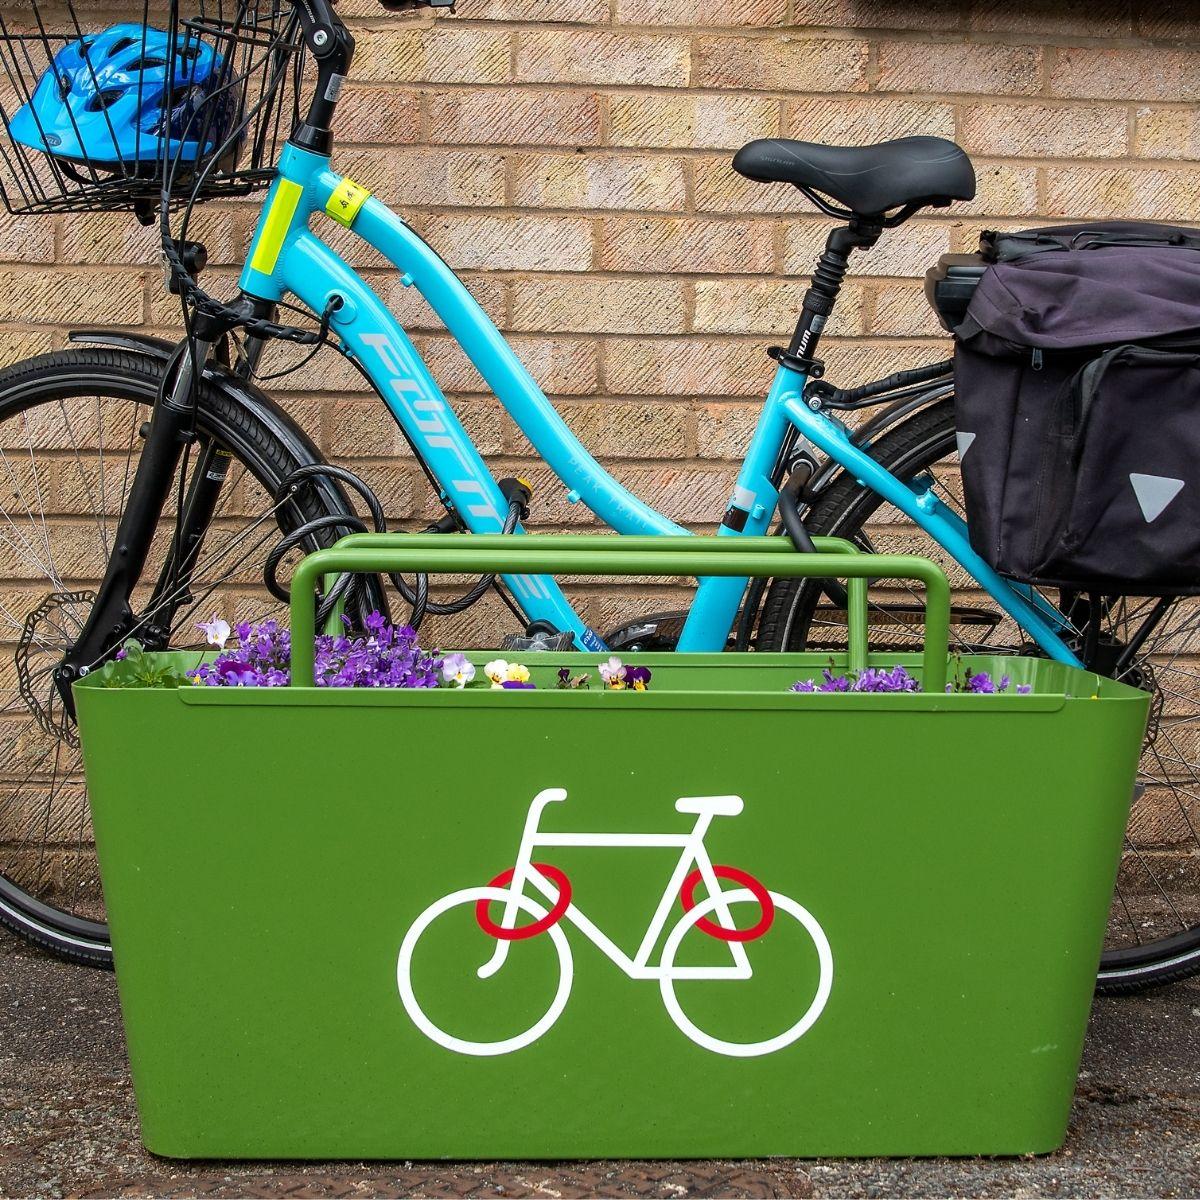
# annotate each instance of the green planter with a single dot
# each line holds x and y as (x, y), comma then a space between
(304, 884)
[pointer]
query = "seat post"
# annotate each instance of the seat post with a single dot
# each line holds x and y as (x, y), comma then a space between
(822, 293)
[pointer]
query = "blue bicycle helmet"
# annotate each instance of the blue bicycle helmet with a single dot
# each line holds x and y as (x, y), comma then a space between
(111, 98)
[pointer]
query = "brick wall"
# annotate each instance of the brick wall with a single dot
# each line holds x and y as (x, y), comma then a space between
(572, 159)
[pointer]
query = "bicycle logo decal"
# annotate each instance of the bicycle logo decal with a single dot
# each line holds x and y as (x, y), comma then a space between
(693, 869)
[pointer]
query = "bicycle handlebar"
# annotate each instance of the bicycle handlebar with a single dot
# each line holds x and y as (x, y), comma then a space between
(607, 555)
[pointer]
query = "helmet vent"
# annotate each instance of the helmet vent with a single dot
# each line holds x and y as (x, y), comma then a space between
(104, 99)
(123, 44)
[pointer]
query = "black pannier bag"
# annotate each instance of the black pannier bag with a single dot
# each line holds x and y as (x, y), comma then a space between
(1077, 405)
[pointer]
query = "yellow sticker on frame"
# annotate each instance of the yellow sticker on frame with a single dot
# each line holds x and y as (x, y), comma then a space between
(348, 197)
(275, 227)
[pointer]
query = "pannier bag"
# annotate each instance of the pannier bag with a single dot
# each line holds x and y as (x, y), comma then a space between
(1077, 379)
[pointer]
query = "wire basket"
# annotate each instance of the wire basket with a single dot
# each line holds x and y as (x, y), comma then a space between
(104, 112)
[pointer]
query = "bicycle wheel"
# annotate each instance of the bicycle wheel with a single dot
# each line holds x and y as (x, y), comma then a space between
(1154, 928)
(70, 437)
(514, 1007)
(813, 934)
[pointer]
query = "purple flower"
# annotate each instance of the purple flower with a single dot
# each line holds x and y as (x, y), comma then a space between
(517, 685)
(876, 679)
(638, 678)
(385, 656)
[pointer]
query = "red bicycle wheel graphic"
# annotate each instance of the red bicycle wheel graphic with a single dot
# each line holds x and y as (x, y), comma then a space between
(521, 932)
(687, 895)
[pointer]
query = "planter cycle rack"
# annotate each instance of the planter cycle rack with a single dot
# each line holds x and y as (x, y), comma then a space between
(713, 918)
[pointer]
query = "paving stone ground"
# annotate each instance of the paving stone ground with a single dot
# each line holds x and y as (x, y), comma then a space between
(68, 1126)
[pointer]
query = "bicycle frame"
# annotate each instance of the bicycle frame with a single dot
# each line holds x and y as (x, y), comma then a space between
(286, 256)
(692, 850)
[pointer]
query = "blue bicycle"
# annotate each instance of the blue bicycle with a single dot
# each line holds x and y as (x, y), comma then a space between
(202, 506)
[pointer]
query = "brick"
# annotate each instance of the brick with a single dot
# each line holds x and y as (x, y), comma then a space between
(881, 14)
(723, 431)
(464, 178)
(515, 117)
(590, 181)
(379, 114)
(720, 189)
(27, 239)
(590, 12)
(19, 344)
(595, 305)
(443, 53)
(704, 122)
(857, 122)
(328, 372)
(782, 62)
(394, 486)
(1168, 133)
(1126, 73)
(768, 307)
(1040, 130)
(687, 494)
(72, 297)
(1176, 19)
(686, 367)
(511, 243)
(908, 251)
(850, 363)
(561, 366)
(959, 67)
(685, 244)
(1088, 192)
(1092, 18)
(688, 13)
(1001, 189)
(116, 238)
(631, 430)
(410, 309)
(901, 310)
(594, 56)
(365, 429)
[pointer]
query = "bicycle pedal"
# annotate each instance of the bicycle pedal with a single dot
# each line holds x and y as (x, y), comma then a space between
(539, 642)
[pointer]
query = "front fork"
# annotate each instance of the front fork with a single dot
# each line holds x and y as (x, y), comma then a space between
(172, 429)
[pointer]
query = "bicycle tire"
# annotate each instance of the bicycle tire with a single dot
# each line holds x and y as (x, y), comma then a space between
(126, 377)
(911, 449)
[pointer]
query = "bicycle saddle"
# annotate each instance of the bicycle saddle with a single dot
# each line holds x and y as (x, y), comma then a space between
(869, 180)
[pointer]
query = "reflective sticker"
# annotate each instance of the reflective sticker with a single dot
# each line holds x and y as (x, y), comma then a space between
(1154, 493)
(345, 202)
(276, 225)
(963, 440)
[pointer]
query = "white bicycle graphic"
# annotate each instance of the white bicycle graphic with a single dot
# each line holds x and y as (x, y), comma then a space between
(694, 867)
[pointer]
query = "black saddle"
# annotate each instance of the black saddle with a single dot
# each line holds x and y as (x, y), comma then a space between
(908, 173)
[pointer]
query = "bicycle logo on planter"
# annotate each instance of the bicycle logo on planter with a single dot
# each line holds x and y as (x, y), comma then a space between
(693, 869)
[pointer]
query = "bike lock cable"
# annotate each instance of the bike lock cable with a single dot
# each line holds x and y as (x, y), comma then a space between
(416, 594)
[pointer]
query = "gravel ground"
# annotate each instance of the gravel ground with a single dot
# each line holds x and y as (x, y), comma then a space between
(68, 1125)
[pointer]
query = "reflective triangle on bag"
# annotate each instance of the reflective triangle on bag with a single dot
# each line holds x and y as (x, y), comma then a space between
(1154, 493)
